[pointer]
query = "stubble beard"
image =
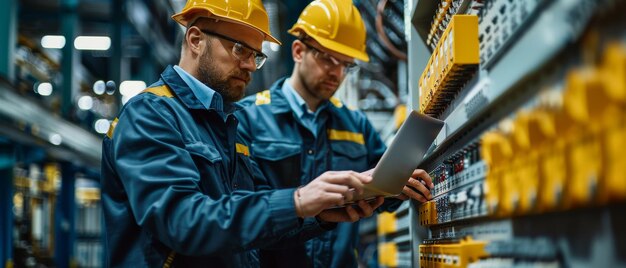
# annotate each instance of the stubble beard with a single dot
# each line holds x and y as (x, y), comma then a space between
(211, 76)
(316, 88)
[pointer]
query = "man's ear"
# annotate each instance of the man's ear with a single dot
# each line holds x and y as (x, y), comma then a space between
(297, 51)
(194, 40)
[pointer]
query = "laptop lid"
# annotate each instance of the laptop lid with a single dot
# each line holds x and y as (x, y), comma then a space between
(405, 153)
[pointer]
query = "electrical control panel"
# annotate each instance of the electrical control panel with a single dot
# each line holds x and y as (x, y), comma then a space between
(528, 171)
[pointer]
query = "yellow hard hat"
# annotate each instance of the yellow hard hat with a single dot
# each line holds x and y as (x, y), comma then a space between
(247, 12)
(336, 25)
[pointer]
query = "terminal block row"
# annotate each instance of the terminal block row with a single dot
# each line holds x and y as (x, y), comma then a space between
(563, 155)
(446, 9)
(452, 64)
(458, 192)
(458, 254)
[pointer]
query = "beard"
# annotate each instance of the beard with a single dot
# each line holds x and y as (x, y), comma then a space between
(211, 76)
(319, 87)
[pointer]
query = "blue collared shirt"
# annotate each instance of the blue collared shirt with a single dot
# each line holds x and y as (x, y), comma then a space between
(206, 95)
(308, 118)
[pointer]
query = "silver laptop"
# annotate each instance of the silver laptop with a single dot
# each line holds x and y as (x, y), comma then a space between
(404, 155)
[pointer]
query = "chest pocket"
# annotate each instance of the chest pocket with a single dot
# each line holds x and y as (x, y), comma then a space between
(347, 155)
(244, 178)
(209, 163)
(279, 161)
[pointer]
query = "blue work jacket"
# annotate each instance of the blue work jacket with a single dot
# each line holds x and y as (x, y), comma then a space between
(178, 186)
(290, 155)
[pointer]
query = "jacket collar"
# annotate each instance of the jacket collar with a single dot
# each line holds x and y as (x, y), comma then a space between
(184, 92)
(280, 104)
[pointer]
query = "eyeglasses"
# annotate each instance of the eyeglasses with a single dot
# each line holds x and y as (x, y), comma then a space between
(329, 60)
(242, 51)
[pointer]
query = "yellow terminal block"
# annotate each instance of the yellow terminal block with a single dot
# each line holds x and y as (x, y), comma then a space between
(613, 185)
(527, 162)
(512, 179)
(452, 63)
(428, 213)
(452, 255)
(531, 132)
(388, 254)
(541, 131)
(613, 76)
(550, 159)
(386, 223)
(433, 212)
(497, 152)
(555, 164)
(582, 99)
(613, 71)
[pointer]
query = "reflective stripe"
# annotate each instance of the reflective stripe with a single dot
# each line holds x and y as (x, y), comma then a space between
(336, 102)
(342, 135)
(112, 128)
(169, 260)
(242, 149)
(162, 91)
(263, 97)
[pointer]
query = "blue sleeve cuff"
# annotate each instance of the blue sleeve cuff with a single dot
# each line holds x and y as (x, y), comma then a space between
(283, 211)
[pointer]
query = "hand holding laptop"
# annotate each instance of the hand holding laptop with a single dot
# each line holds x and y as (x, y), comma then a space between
(418, 187)
(327, 190)
(399, 162)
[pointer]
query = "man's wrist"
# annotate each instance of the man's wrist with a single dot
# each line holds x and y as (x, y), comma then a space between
(298, 202)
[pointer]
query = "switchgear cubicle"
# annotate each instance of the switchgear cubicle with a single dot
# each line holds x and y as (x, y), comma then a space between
(528, 170)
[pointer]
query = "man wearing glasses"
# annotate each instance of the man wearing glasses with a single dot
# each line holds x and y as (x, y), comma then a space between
(297, 129)
(178, 186)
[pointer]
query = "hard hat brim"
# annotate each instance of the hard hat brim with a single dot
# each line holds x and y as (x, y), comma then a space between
(334, 46)
(181, 18)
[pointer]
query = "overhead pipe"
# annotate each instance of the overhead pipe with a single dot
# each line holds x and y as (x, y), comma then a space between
(398, 54)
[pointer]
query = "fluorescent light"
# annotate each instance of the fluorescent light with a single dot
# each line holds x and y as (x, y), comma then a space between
(55, 139)
(131, 88)
(92, 42)
(269, 47)
(44, 89)
(102, 126)
(99, 87)
(85, 103)
(274, 47)
(53, 41)
(125, 99)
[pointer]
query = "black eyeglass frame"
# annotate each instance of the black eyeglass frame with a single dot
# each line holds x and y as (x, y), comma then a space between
(255, 53)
